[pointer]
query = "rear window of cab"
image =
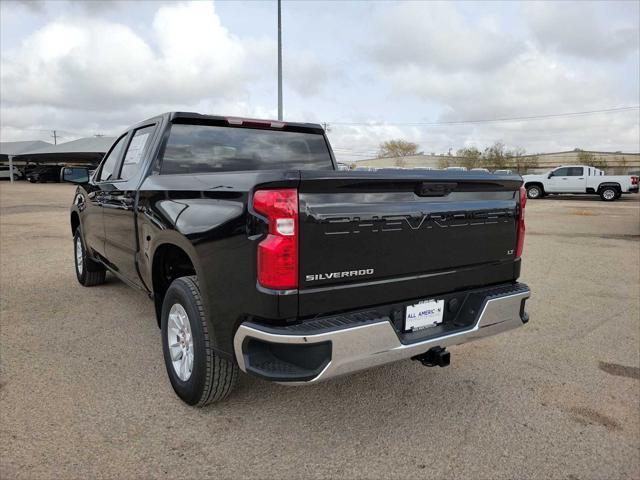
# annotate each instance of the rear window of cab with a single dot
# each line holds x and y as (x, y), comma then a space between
(209, 148)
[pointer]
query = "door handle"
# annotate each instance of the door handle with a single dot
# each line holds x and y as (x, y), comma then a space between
(581, 178)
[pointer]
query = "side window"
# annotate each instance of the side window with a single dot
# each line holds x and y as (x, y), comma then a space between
(137, 146)
(561, 172)
(109, 164)
(575, 172)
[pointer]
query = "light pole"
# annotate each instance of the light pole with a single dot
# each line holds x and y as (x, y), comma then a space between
(11, 168)
(279, 61)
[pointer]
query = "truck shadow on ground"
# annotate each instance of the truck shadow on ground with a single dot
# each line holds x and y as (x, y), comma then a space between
(394, 391)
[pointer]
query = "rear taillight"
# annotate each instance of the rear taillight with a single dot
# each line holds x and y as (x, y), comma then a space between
(278, 252)
(520, 242)
(634, 180)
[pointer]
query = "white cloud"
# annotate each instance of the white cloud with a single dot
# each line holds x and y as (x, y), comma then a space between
(531, 83)
(578, 29)
(99, 69)
(438, 35)
(92, 64)
(306, 74)
(470, 72)
(91, 74)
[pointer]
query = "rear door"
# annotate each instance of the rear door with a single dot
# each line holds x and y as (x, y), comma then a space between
(576, 180)
(402, 235)
(119, 206)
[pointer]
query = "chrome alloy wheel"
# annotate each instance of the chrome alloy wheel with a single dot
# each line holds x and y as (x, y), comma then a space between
(180, 342)
(608, 194)
(79, 255)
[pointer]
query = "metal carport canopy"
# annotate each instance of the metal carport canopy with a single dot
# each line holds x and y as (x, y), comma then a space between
(84, 150)
(11, 149)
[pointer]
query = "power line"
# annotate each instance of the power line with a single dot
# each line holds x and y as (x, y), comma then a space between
(489, 120)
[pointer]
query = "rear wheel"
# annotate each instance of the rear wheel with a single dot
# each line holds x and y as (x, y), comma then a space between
(609, 194)
(88, 272)
(534, 192)
(197, 374)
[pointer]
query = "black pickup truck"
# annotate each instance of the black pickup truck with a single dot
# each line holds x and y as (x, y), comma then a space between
(260, 256)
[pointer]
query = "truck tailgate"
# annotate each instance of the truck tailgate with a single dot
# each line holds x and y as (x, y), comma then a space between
(372, 235)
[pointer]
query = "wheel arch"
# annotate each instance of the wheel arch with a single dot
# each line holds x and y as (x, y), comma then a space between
(75, 221)
(534, 182)
(609, 184)
(169, 261)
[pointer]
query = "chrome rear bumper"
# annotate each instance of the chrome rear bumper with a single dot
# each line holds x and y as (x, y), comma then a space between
(377, 343)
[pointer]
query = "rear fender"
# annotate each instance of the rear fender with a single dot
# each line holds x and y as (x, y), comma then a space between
(609, 184)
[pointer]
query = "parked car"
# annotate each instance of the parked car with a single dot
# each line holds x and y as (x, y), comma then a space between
(503, 172)
(456, 169)
(5, 172)
(480, 170)
(580, 179)
(261, 257)
(365, 169)
(44, 174)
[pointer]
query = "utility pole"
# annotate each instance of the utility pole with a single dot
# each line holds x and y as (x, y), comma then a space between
(55, 138)
(279, 61)
(326, 126)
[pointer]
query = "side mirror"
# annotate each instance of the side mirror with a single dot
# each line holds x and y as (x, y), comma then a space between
(75, 175)
(550, 175)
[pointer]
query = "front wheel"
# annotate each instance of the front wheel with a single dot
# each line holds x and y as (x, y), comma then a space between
(197, 374)
(609, 194)
(88, 272)
(534, 192)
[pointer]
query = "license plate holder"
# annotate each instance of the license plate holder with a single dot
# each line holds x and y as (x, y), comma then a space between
(424, 314)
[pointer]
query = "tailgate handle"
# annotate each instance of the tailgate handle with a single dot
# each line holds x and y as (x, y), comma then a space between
(428, 189)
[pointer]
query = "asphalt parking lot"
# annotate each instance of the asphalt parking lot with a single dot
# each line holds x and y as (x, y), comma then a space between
(84, 393)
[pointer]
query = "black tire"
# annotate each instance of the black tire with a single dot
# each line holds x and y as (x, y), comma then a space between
(212, 378)
(535, 192)
(609, 194)
(88, 272)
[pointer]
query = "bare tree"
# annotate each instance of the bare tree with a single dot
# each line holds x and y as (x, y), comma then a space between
(520, 162)
(471, 157)
(588, 158)
(495, 156)
(621, 165)
(397, 148)
(444, 162)
(400, 162)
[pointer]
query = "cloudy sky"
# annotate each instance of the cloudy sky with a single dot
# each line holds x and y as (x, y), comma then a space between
(423, 71)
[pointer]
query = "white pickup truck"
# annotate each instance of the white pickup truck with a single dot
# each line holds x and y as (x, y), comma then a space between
(580, 179)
